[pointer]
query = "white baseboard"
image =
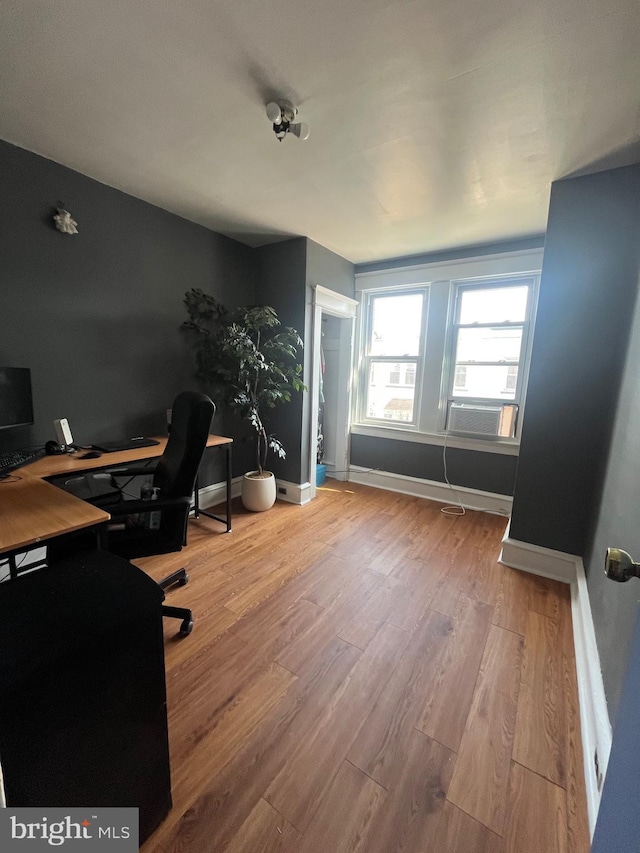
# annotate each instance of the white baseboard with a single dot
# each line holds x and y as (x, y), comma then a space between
(432, 490)
(595, 727)
(294, 493)
(537, 560)
(216, 493)
(331, 471)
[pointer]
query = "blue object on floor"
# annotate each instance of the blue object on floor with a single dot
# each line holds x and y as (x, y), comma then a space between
(321, 474)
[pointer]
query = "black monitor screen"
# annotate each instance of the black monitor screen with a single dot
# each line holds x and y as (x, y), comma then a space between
(16, 404)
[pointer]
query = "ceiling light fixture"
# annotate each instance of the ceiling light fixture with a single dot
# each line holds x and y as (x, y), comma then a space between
(281, 115)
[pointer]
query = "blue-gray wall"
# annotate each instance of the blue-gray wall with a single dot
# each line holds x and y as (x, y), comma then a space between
(96, 316)
(585, 307)
(536, 241)
(489, 472)
(577, 481)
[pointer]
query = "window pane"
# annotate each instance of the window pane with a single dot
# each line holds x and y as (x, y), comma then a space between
(497, 382)
(395, 324)
(386, 399)
(502, 343)
(493, 304)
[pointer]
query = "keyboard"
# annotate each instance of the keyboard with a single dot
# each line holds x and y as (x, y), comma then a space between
(17, 458)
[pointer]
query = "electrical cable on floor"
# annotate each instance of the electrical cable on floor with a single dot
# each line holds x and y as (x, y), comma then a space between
(450, 510)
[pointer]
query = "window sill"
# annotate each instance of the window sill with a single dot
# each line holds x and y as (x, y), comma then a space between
(505, 446)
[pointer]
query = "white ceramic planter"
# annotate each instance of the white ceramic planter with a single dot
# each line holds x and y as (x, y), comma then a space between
(258, 493)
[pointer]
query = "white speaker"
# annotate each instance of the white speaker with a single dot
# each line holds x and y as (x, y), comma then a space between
(63, 432)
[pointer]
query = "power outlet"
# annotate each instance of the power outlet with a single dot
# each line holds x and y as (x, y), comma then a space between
(282, 490)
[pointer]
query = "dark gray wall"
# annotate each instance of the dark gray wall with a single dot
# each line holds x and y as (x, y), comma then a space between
(281, 285)
(335, 273)
(96, 316)
(489, 472)
(330, 270)
(587, 297)
(615, 606)
(286, 272)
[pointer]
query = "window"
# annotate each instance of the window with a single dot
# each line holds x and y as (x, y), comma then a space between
(452, 335)
(487, 341)
(392, 348)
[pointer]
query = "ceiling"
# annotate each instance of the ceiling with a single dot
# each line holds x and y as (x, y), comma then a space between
(434, 124)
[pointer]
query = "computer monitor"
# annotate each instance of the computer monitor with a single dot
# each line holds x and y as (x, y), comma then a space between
(16, 402)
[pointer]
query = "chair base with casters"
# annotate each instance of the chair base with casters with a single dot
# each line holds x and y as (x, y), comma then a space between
(180, 577)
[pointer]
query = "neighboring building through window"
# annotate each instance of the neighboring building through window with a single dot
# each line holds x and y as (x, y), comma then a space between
(460, 381)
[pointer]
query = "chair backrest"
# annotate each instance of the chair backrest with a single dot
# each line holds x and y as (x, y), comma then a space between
(177, 468)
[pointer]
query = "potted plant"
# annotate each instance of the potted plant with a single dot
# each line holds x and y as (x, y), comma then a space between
(251, 364)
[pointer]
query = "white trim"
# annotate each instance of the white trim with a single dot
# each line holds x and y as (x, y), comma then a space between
(333, 302)
(296, 493)
(504, 263)
(595, 727)
(506, 447)
(432, 490)
(537, 560)
(216, 493)
(324, 300)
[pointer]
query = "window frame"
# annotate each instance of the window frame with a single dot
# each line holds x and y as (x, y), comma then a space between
(453, 327)
(366, 359)
(441, 280)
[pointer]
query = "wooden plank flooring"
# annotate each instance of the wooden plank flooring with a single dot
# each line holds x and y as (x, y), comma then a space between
(364, 677)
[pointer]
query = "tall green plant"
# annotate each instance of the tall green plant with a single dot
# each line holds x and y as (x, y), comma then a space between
(248, 360)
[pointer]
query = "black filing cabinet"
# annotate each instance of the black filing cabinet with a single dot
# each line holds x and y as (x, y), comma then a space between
(83, 717)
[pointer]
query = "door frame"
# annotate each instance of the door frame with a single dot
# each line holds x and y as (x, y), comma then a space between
(326, 301)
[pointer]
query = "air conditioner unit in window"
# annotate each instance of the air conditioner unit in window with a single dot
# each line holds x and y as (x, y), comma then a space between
(470, 418)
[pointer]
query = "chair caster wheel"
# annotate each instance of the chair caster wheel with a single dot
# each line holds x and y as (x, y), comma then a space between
(183, 580)
(186, 628)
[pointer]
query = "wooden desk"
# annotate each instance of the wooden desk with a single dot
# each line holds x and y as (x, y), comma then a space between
(32, 510)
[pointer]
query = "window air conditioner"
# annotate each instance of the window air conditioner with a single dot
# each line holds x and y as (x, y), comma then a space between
(481, 420)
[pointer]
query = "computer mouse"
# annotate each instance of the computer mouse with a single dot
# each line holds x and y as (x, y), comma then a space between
(92, 454)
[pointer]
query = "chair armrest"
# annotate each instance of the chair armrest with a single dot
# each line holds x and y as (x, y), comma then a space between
(130, 507)
(126, 471)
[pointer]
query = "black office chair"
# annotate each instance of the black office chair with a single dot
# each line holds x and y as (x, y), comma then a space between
(144, 528)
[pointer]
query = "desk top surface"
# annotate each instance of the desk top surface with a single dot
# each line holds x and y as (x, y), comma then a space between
(72, 463)
(32, 510)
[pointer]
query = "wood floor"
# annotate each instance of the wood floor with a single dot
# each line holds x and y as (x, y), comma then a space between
(364, 677)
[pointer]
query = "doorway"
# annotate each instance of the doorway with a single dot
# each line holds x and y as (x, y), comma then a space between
(333, 327)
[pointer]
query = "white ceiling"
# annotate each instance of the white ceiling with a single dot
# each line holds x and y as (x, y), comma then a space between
(434, 124)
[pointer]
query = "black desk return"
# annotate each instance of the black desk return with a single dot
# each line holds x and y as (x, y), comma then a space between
(83, 719)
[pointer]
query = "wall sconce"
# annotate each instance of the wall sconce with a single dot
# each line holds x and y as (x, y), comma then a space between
(619, 566)
(64, 222)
